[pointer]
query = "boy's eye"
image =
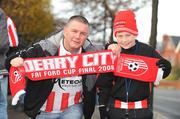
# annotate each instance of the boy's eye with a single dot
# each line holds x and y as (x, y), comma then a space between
(119, 36)
(128, 34)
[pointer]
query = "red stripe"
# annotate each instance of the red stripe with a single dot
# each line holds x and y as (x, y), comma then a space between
(12, 36)
(144, 103)
(50, 102)
(77, 97)
(117, 104)
(131, 105)
(64, 102)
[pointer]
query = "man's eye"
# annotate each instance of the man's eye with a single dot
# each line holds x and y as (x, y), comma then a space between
(84, 34)
(74, 31)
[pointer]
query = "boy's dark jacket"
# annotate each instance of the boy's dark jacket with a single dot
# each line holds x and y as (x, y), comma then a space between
(113, 87)
(37, 91)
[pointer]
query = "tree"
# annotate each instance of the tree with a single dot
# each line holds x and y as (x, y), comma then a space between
(33, 18)
(101, 12)
(154, 21)
(153, 36)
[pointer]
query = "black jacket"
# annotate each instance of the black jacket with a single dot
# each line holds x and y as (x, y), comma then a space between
(114, 87)
(38, 91)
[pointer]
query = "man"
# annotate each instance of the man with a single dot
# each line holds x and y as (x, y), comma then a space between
(51, 99)
(127, 98)
(4, 46)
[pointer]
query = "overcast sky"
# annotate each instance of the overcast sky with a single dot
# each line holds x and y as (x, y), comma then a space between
(168, 18)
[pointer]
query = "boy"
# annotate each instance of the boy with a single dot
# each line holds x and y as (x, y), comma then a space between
(125, 91)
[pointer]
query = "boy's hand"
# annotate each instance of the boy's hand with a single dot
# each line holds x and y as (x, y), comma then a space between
(116, 49)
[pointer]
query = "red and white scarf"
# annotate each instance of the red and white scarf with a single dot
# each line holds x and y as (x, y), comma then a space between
(12, 33)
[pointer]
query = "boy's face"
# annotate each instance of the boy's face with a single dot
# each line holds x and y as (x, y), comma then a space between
(125, 40)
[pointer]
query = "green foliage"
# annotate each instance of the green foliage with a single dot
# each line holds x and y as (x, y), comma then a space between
(175, 74)
(33, 18)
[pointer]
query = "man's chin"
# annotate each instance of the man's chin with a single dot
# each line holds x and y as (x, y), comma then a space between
(75, 48)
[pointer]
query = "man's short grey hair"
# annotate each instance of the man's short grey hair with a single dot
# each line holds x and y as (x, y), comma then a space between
(78, 18)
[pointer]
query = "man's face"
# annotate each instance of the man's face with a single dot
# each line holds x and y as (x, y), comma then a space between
(125, 40)
(75, 34)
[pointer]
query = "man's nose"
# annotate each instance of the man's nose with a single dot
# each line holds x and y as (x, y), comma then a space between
(77, 35)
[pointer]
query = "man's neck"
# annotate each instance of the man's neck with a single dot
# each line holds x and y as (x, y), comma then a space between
(72, 51)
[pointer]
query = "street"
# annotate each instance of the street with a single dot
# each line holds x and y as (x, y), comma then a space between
(166, 106)
(167, 102)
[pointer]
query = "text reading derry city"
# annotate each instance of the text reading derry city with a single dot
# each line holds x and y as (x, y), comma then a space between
(71, 65)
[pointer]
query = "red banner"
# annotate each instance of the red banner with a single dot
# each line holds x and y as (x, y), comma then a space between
(138, 67)
(130, 66)
(16, 78)
(69, 65)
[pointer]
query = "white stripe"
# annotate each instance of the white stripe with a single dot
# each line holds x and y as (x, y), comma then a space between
(124, 105)
(43, 108)
(138, 104)
(15, 99)
(159, 76)
(11, 23)
(57, 102)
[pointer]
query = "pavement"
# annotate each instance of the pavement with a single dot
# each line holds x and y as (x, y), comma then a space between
(16, 112)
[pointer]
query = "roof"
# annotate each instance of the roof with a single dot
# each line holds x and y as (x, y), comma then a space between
(177, 48)
(176, 40)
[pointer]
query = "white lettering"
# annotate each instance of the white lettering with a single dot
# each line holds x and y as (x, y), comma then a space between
(60, 63)
(104, 57)
(86, 59)
(87, 70)
(72, 61)
(38, 65)
(52, 73)
(48, 64)
(28, 65)
(69, 71)
(36, 74)
(113, 57)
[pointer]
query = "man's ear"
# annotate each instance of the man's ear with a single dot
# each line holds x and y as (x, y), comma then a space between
(65, 30)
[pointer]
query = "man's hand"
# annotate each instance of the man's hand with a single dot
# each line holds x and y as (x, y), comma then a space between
(116, 49)
(16, 62)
